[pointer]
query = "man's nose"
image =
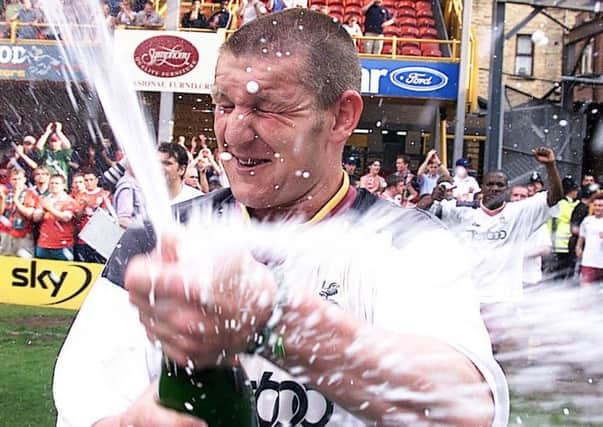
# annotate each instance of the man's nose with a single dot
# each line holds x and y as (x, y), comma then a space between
(239, 126)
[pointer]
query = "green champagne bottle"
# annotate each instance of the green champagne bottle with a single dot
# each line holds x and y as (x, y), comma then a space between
(222, 396)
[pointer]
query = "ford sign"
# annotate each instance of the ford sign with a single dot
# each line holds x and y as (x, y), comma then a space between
(418, 79)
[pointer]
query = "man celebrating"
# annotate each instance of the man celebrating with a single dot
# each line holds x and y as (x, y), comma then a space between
(393, 364)
(498, 231)
(174, 159)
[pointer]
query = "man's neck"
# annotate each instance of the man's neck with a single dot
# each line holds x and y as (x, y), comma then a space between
(175, 188)
(42, 187)
(306, 206)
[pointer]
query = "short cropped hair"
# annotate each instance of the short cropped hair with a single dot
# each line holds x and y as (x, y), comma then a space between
(58, 175)
(330, 63)
(176, 151)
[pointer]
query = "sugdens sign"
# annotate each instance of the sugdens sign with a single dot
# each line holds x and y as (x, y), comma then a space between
(46, 283)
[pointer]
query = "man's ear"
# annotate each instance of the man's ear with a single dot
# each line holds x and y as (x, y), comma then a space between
(181, 171)
(347, 112)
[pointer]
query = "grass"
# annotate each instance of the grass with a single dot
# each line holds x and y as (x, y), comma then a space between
(30, 338)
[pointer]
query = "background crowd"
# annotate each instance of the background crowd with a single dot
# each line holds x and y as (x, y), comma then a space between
(49, 191)
(569, 247)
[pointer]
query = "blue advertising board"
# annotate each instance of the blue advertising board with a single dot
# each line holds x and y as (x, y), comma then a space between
(33, 62)
(416, 79)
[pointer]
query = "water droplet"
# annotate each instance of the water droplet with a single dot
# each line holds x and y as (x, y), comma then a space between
(545, 130)
(248, 69)
(225, 156)
(309, 197)
(277, 155)
(269, 68)
(252, 173)
(300, 27)
(264, 50)
(378, 124)
(274, 22)
(563, 123)
(298, 173)
(590, 381)
(555, 116)
(278, 54)
(240, 117)
(252, 86)
(565, 411)
(287, 53)
(276, 187)
(256, 136)
(594, 111)
(518, 420)
(188, 406)
(282, 159)
(426, 412)
(306, 174)
(262, 40)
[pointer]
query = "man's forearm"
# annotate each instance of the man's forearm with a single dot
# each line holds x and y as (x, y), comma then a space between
(555, 192)
(381, 376)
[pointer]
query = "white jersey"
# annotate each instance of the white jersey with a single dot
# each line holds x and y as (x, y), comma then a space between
(498, 242)
(104, 366)
(186, 193)
(591, 230)
(538, 242)
(466, 188)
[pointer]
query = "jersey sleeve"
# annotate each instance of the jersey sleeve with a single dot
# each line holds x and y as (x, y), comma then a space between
(442, 305)
(105, 362)
(583, 228)
(535, 210)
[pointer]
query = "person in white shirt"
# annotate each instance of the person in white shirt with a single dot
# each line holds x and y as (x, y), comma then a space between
(174, 160)
(466, 185)
(361, 348)
(590, 244)
(537, 245)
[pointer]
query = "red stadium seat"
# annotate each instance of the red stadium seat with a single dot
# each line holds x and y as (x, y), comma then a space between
(425, 32)
(406, 20)
(335, 2)
(387, 49)
(409, 31)
(410, 50)
(353, 9)
(390, 31)
(426, 22)
(422, 5)
(424, 13)
(431, 52)
(354, 2)
(406, 11)
(406, 3)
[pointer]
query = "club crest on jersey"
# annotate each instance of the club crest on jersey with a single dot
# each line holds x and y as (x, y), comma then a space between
(329, 290)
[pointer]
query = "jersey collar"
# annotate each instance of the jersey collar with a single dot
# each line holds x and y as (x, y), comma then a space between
(327, 209)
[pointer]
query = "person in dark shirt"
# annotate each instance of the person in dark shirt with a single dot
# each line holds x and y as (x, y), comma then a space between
(194, 18)
(376, 17)
(220, 19)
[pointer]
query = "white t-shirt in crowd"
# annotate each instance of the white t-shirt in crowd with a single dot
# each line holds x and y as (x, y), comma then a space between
(186, 193)
(498, 242)
(591, 229)
(538, 241)
(466, 188)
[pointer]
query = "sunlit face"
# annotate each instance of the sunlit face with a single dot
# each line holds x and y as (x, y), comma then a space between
(41, 176)
(55, 144)
(267, 121)
(56, 185)
(598, 208)
(78, 184)
(518, 194)
(493, 188)
(588, 180)
(191, 177)
(17, 180)
(401, 165)
(171, 169)
(91, 182)
(375, 168)
(432, 168)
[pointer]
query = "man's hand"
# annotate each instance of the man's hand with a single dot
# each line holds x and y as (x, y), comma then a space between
(544, 155)
(146, 411)
(49, 128)
(59, 126)
(200, 315)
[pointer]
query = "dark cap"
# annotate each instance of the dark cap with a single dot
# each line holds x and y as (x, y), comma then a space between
(568, 184)
(463, 162)
(535, 177)
(588, 190)
(350, 160)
